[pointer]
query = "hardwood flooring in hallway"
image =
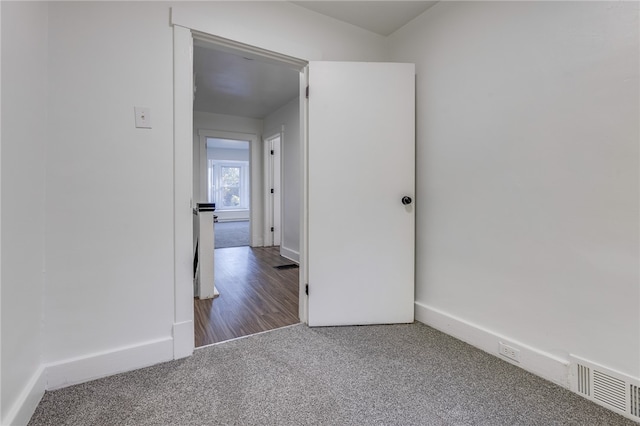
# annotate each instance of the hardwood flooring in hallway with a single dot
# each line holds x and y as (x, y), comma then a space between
(254, 295)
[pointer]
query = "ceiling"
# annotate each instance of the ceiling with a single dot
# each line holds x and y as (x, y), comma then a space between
(234, 85)
(381, 17)
(228, 83)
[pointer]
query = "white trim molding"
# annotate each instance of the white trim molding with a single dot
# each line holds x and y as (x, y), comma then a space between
(290, 254)
(22, 410)
(183, 181)
(102, 364)
(82, 369)
(303, 257)
(214, 28)
(536, 361)
(184, 339)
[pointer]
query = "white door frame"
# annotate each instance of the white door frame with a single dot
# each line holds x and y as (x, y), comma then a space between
(186, 25)
(255, 202)
(183, 331)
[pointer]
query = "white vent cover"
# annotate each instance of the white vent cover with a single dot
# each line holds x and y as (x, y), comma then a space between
(609, 390)
(584, 380)
(634, 400)
(606, 387)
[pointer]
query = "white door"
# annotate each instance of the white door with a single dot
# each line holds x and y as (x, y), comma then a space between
(273, 190)
(276, 185)
(361, 163)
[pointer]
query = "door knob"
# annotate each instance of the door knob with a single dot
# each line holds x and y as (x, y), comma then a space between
(406, 200)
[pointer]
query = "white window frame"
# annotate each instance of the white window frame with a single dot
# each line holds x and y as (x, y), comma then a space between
(214, 178)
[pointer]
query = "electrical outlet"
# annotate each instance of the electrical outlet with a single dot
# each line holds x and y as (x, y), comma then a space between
(143, 117)
(509, 352)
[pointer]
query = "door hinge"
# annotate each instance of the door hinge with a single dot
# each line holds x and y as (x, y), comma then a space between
(307, 92)
(272, 152)
(306, 289)
(272, 229)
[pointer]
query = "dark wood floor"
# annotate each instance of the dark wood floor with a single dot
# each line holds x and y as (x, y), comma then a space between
(254, 295)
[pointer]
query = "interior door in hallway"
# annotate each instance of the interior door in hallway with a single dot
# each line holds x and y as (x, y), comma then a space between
(361, 171)
(273, 190)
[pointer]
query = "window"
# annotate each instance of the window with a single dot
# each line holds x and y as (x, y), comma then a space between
(228, 183)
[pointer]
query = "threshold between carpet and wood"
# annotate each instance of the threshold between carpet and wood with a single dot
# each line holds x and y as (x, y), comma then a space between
(256, 295)
(369, 375)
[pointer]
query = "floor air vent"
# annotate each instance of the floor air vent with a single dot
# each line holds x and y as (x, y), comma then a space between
(616, 391)
(584, 380)
(288, 266)
(609, 390)
(634, 400)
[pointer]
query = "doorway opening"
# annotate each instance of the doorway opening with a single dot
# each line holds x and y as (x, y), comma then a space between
(254, 182)
(365, 103)
(228, 185)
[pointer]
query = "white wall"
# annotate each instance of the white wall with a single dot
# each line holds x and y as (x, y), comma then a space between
(24, 135)
(527, 184)
(527, 172)
(282, 27)
(109, 222)
(289, 117)
(109, 188)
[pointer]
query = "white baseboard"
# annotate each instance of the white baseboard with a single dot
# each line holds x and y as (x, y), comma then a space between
(534, 360)
(22, 410)
(183, 339)
(290, 254)
(83, 369)
(98, 365)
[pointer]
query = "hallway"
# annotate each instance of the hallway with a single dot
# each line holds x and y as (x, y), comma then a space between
(255, 296)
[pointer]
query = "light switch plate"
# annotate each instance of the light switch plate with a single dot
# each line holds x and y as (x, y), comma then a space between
(143, 117)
